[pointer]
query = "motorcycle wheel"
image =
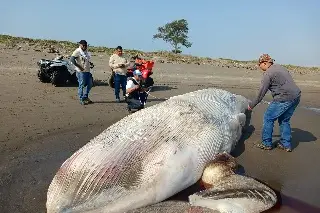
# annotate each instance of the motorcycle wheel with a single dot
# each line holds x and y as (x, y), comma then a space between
(111, 80)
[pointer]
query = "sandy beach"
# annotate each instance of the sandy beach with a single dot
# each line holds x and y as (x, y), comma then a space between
(42, 125)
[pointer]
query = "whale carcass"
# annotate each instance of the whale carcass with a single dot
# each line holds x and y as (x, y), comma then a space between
(150, 155)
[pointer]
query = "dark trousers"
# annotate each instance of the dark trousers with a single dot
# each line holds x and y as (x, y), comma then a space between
(119, 80)
(138, 102)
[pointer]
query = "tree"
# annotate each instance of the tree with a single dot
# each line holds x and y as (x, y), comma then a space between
(175, 33)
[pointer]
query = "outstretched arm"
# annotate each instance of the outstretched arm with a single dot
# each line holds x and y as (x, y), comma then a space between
(265, 83)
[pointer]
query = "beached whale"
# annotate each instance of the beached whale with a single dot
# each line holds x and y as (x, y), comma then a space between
(157, 152)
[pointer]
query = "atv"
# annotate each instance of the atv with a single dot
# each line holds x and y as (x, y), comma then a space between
(58, 71)
(145, 68)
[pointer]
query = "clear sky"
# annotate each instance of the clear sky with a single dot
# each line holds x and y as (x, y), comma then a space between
(288, 30)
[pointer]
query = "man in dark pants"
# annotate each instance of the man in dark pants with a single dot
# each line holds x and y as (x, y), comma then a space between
(81, 60)
(118, 63)
(136, 95)
(286, 97)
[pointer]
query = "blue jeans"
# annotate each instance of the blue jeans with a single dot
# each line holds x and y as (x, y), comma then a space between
(119, 80)
(85, 80)
(282, 111)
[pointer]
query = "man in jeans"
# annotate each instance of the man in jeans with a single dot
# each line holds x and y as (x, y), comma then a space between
(81, 60)
(118, 63)
(286, 97)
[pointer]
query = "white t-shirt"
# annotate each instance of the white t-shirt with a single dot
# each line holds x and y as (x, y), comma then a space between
(81, 60)
(130, 84)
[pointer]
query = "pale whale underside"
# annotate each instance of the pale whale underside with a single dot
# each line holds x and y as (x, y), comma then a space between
(154, 153)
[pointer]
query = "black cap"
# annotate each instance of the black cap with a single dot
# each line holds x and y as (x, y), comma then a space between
(118, 48)
(83, 42)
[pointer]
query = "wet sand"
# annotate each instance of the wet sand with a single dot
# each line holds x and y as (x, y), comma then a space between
(41, 126)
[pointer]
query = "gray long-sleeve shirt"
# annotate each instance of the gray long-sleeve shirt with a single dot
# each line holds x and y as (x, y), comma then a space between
(279, 81)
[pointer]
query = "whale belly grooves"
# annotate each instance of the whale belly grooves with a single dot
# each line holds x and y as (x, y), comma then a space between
(152, 154)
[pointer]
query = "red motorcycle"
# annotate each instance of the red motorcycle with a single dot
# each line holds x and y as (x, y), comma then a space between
(145, 67)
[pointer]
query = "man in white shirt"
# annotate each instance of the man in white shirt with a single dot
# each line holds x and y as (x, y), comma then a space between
(81, 60)
(118, 63)
(136, 96)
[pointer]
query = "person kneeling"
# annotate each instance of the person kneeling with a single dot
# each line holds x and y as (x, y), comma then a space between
(136, 95)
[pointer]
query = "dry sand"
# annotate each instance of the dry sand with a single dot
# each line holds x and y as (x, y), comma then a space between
(42, 125)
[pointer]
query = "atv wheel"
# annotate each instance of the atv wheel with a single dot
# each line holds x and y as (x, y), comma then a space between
(59, 77)
(74, 78)
(43, 77)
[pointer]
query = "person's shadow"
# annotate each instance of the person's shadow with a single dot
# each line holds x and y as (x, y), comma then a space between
(299, 136)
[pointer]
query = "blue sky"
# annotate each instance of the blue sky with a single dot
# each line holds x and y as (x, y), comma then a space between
(288, 30)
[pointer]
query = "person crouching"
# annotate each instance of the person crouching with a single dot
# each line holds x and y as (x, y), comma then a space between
(135, 95)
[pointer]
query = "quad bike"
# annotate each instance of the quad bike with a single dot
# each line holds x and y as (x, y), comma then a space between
(58, 71)
(145, 68)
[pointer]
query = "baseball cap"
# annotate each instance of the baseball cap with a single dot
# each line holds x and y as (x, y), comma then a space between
(137, 72)
(83, 42)
(265, 58)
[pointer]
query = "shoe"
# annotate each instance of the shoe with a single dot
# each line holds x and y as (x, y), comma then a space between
(118, 100)
(88, 100)
(262, 146)
(83, 102)
(280, 146)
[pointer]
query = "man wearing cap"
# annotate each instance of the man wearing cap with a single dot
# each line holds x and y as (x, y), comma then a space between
(286, 97)
(81, 60)
(118, 63)
(136, 96)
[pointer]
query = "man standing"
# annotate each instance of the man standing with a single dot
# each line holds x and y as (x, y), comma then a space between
(118, 63)
(81, 59)
(286, 97)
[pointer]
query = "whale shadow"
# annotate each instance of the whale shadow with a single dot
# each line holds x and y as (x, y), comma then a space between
(247, 131)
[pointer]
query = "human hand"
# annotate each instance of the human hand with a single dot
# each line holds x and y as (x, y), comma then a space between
(249, 108)
(136, 87)
(121, 65)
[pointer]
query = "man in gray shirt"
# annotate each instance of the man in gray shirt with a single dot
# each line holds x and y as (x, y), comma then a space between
(286, 97)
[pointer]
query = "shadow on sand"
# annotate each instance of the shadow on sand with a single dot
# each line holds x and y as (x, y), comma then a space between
(300, 136)
(161, 88)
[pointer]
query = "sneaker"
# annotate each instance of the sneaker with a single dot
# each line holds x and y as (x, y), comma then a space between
(83, 102)
(262, 146)
(88, 100)
(118, 100)
(280, 146)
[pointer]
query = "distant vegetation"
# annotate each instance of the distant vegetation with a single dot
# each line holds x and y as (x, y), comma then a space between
(66, 47)
(175, 33)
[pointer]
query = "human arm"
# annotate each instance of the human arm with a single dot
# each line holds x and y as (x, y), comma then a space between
(130, 87)
(112, 63)
(73, 57)
(265, 83)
